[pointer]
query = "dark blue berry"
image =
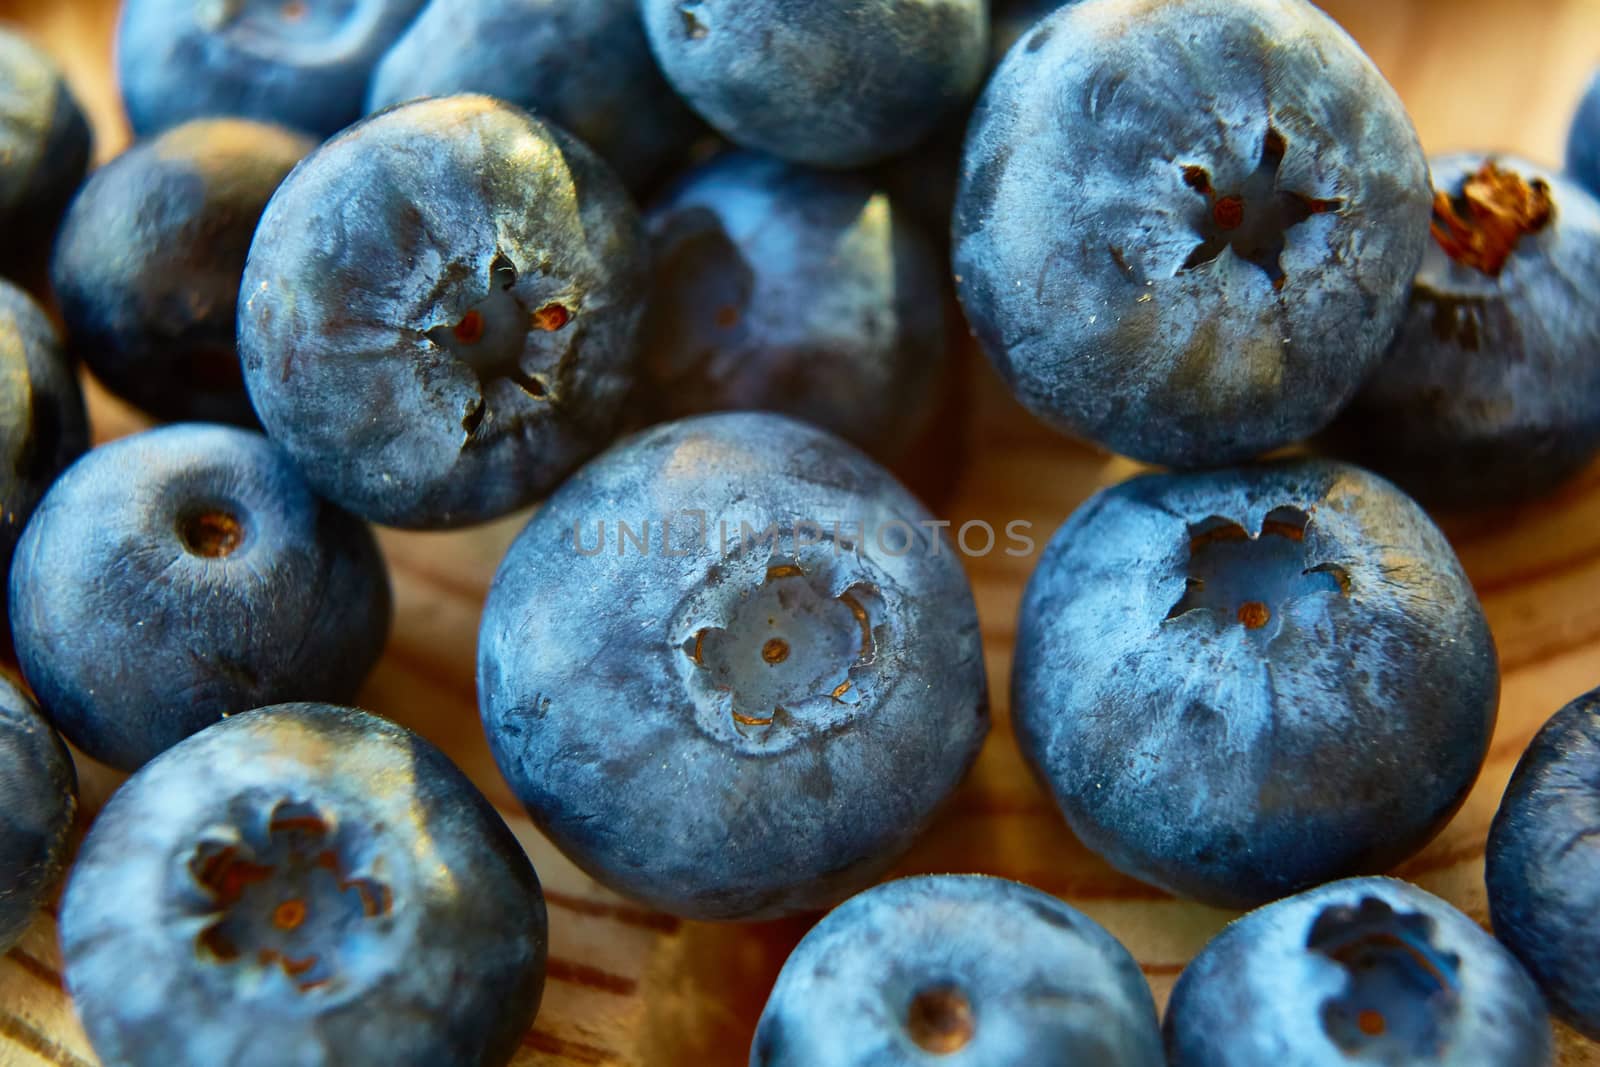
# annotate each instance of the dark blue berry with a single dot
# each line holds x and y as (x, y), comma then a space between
(829, 83)
(1543, 865)
(148, 264)
(303, 885)
(1186, 230)
(44, 153)
(1490, 395)
(1242, 683)
(38, 799)
(185, 574)
(958, 969)
(731, 669)
(585, 66)
(302, 63)
(43, 426)
(440, 313)
(1367, 971)
(796, 291)
(1583, 140)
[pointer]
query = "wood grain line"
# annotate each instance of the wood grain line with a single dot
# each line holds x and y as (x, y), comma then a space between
(38, 968)
(622, 913)
(573, 1051)
(579, 974)
(21, 1033)
(1546, 571)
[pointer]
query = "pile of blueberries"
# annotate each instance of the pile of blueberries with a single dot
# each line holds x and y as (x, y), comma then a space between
(731, 666)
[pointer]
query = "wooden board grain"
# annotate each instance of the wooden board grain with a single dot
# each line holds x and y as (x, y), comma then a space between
(631, 988)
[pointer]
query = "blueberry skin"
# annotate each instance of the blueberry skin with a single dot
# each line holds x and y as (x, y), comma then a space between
(1543, 865)
(1583, 140)
(38, 800)
(585, 66)
(1242, 683)
(1491, 393)
(750, 726)
(302, 63)
(307, 885)
(149, 260)
(441, 309)
(827, 83)
(44, 153)
(44, 426)
(962, 970)
(1188, 261)
(1012, 19)
(184, 574)
(1368, 971)
(797, 291)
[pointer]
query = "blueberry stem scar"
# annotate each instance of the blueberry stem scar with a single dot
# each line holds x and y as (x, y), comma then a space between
(940, 1020)
(1482, 225)
(1252, 578)
(1254, 221)
(214, 533)
(491, 338)
(815, 643)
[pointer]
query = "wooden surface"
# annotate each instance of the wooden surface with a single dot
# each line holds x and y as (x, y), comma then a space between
(634, 989)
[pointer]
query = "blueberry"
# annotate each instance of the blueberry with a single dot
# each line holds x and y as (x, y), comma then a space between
(148, 264)
(958, 969)
(184, 574)
(302, 63)
(440, 312)
(796, 291)
(830, 83)
(585, 66)
(44, 154)
(1012, 19)
(305, 885)
(43, 426)
(1242, 683)
(1490, 395)
(730, 669)
(1363, 971)
(1583, 140)
(1186, 230)
(1544, 862)
(38, 800)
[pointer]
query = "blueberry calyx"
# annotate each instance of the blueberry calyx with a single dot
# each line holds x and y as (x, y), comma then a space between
(940, 1020)
(817, 640)
(1400, 989)
(490, 338)
(213, 532)
(1252, 577)
(1481, 225)
(1254, 221)
(290, 904)
(778, 647)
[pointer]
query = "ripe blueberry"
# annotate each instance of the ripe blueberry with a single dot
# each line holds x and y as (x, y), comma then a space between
(185, 574)
(303, 884)
(440, 313)
(729, 670)
(1242, 683)
(1543, 864)
(1186, 258)
(1363, 971)
(958, 969)
(148, 264)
